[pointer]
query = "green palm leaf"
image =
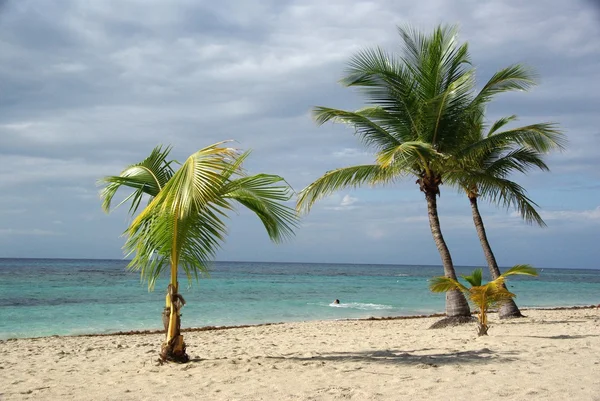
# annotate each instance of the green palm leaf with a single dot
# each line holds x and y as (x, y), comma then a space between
(146, 178)
(445, 284)
(261, 194)
(475, 278)
(527, 270)
(516, 77)
(368, 130)
(347, 177)
(408, 154)
(482, 168)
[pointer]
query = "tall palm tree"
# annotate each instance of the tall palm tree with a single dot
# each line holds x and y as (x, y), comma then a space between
(484, 170)
(420, 104)
(182, 226)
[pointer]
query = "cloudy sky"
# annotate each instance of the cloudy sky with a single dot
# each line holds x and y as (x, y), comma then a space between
(87, 87)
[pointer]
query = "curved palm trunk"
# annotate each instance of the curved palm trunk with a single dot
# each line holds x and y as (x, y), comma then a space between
(482, 326)
(173, 349)
(508, 309)
(456, 303)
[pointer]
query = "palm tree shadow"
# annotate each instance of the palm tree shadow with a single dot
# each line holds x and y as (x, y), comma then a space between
(546, 322)
(564, 336)
(398, 357)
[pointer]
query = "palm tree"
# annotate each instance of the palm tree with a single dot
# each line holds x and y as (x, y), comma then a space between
(420, 105)
(182, 226)
(483, 296)
(484, 168)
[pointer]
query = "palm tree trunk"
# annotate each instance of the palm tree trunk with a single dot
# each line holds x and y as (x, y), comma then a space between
(456, 303)
(508, 309)
(173, 349)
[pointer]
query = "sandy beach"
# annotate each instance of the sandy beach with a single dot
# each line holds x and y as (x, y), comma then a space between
(550, 355)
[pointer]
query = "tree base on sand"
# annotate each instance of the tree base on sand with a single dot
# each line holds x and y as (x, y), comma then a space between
(449, 321)
(482, 329)
(174, 351)
(509, 310)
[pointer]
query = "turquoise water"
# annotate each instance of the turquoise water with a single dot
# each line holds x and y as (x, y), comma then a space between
(41, 297)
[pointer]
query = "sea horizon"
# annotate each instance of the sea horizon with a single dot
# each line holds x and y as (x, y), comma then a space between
(472, 266)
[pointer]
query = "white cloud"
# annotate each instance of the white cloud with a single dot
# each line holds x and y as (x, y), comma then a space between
(28, 171)
(591, 216)
(18, 126)
(348, 200)
(37, 232)
(347, 203)
(350, 153)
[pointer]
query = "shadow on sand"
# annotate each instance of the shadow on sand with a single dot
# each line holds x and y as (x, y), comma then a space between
(564, 336)
(544, 321)
(398, 357)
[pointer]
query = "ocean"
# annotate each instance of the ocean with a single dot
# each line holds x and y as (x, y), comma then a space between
(44, 297)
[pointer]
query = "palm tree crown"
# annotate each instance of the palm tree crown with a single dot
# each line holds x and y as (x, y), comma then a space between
(187, 207)
(483, 167)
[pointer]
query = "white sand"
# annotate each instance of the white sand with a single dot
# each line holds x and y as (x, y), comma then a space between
(550, 355)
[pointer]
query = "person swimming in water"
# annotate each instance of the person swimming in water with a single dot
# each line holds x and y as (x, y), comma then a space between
(336, 302)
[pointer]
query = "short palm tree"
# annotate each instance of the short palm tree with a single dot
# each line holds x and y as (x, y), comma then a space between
(483, 296)
(182, 226)
(484, 168)
(420, 109)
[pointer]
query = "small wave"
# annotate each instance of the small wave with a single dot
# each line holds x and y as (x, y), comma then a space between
(361, 306)
(402, 275)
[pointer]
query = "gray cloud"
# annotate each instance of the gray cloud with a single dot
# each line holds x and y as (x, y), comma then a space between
(89, 87)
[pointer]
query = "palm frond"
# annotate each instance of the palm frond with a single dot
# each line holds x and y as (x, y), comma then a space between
(475, 278)
(444, 284)
(527, 270)
(516, 77)
(262, 195)
(408, 154)
(501, 122)
(508, 194)
(347, 177)
(489, 295)
(450, 104)
(160, 241)
(369, 132)
(520, 159)
(145, 178)
(542, 138)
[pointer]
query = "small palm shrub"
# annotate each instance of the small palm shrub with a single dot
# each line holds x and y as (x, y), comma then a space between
(483, 296)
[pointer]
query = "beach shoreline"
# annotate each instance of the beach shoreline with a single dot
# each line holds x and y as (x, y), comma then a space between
(361, 359)
(228, 327)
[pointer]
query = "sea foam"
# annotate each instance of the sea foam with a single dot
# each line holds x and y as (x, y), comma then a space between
(361, 306)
